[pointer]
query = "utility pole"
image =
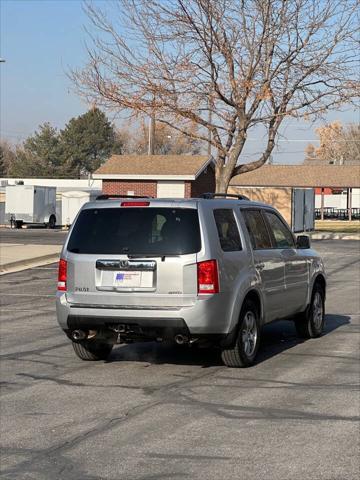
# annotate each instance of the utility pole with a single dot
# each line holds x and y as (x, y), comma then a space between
(151, 145)
(209, 135)
(210, 106)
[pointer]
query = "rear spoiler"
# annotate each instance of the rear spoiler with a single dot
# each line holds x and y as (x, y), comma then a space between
(109, 197)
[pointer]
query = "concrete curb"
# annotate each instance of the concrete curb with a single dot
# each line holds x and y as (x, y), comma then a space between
(29, 263)
(333, 236)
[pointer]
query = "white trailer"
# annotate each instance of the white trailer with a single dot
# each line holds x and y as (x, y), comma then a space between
(72, 201)
(30, 204)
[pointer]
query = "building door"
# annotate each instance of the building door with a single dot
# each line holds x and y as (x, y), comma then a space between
(170, 189)
(303, 209)
(298, 210)
(309, 212)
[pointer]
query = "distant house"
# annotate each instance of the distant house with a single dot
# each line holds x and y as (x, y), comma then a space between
(302, 176)
(276, 185)
(180, 176)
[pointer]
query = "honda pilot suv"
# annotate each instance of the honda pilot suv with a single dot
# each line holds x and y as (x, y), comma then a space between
(186, 271)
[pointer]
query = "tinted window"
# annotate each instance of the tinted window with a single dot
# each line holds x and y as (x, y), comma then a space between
(133, 230)
(227, 229)
(256, 227)
(282, 235)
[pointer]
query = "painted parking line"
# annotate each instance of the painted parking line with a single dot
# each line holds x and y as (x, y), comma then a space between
(45, 268)
(20, 310)
(27, 295)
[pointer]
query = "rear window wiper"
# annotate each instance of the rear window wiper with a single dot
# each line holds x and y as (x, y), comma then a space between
(155, 255)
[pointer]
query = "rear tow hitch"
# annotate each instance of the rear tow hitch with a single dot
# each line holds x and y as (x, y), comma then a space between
(118, 329)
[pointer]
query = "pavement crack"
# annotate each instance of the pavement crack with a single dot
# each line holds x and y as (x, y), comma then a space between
(38, 351)
(241, 412)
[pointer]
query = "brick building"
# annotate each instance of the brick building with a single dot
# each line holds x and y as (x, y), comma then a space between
(181, 176)
(275, 184)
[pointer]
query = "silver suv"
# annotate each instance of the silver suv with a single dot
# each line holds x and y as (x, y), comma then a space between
(185, 270)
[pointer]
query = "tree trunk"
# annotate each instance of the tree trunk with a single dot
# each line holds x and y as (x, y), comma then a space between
(222, 182)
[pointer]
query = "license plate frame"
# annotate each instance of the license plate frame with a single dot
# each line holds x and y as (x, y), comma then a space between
(127, 279)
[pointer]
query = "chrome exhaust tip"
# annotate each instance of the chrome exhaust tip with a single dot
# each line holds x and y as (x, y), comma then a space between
(181, 339)
(78, 335)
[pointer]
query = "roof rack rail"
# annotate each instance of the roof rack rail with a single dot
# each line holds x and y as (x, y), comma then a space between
(210, 196)
(109, 196)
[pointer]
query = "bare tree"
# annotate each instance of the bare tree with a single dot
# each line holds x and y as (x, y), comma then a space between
(134, 139)
(339, 145)
(226, 66)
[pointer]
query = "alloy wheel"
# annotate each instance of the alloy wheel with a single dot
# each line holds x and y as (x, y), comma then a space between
(249, 333)
(317, 310)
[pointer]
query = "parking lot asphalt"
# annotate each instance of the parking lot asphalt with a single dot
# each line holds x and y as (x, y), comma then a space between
(152, 413)
(33, 236)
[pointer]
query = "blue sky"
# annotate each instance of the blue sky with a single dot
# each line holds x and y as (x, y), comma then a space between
(40, 40)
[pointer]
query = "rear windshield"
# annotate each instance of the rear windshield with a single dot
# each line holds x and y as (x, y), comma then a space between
(137, 231)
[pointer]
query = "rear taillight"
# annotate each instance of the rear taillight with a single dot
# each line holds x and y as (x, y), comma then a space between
(208, 278)
(135, 204)
(62, 275)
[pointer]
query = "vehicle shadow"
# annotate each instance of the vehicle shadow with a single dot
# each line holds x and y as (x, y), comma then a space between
(276, 338)
(35, 226)
(170, 353)
(280, 336)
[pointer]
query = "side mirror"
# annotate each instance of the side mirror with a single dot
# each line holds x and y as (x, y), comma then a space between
(303, 241)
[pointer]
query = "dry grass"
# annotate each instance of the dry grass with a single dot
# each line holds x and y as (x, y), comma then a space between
(337, 226)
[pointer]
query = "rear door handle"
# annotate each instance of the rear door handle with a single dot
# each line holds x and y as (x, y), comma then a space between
(260, 266)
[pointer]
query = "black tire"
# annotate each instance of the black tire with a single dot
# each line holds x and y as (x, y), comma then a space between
(310, 324)
(92, 350)
(52, 222)
(244, 351)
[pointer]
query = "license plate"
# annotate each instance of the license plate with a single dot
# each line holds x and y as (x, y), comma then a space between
(127, 279)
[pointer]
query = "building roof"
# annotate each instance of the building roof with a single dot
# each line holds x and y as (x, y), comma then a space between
(341, 176)
(153, 167)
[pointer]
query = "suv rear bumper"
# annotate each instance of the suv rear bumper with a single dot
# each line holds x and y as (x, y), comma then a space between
(79, 322)
(163, 328)
(206, 316)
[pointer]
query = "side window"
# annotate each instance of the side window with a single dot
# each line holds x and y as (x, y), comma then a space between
(227, 230)
(256, 227)
(282, 235)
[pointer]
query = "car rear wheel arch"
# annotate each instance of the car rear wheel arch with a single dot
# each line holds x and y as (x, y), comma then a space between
(246, 336)
(254, 297)
(320, 280)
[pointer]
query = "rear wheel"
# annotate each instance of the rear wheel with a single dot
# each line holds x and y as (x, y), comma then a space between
(311, 323)
(52, 222)
(92, 350)
(248, 338)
